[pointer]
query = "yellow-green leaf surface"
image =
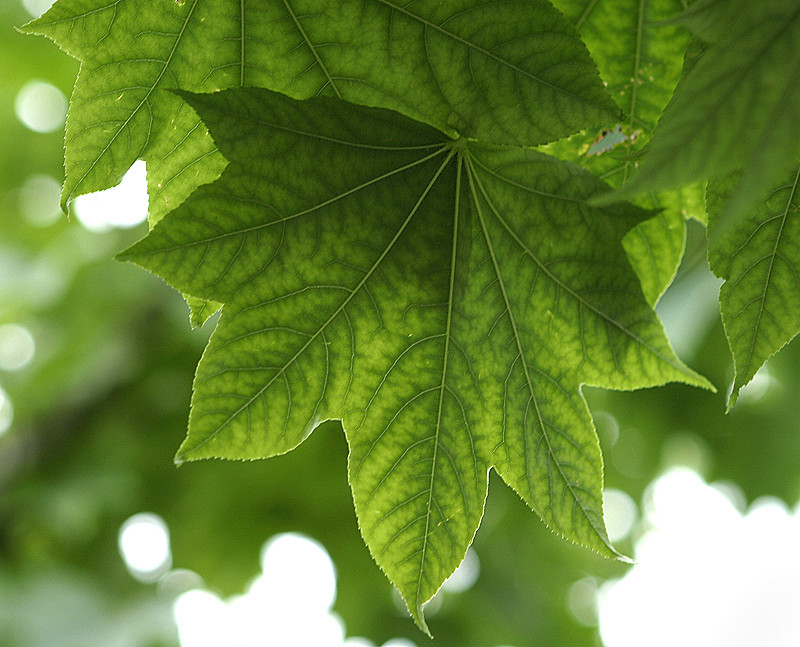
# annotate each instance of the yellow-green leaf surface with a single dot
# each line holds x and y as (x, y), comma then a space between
(736, 109)
(760, 262)
(640, 57)
(505, 71)
(444, 299)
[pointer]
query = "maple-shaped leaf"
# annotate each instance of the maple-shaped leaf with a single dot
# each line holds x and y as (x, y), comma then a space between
(510, 71)
(734, 110)
(760, 262)
(640, 56)
(444, 299)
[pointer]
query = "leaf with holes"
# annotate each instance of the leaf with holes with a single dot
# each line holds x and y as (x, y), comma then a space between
(511, 71)
(640, 57)
(734, 110)
(760, 300)
(445, 299)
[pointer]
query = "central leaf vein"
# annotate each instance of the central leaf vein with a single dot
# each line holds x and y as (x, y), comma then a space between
(337, 311)
(475, 185)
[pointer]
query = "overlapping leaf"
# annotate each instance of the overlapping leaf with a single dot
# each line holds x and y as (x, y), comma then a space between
(735, 109)
(713, 20)
(445, 299)
(640, 57)
(511, 71)
(760, 262)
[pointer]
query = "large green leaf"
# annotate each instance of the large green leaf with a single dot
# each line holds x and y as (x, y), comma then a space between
(760, 262)
(640, 57)
(511, 71)
(735, 109)
(445, 299)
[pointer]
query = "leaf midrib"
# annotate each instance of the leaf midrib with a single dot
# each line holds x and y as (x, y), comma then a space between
(150, 91)
(336, 313)
(481, 50)
(442, 386)
(562, 285)
(637, 61)
(313, 49)
(475, 180)
(768, 279)
(248, 230)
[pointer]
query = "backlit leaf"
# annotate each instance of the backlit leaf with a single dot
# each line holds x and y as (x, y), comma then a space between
(735, 109)
(640, 56)
(445, 299)
(760, 262)
(510, 71)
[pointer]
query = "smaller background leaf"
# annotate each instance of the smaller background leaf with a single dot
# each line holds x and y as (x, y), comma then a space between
(760, 262)
(735, 109)
(640, 55)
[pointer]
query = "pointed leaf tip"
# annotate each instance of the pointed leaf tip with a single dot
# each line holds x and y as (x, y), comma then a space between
(419, 619)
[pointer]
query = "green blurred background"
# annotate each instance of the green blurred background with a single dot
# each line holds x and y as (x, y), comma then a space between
(96, 363)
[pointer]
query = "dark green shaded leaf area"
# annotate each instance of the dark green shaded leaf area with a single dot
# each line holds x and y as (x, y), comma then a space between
(760, 262)
(510, 71)
(735, 109)
(445, 299)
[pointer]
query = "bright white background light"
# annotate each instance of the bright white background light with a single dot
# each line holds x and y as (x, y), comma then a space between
(297, 572)
(288, 604)
(465, 575)
(41, 106)
(122, 206)
(17, 347)
(37, 7)
(203, 619)
(706, 575)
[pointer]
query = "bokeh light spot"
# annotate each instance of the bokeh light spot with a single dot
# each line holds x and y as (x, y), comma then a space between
(758, 388)
(6, 412)
(358, 641)
(607, 428)
(203, 620)
(300, 570)
(685, 449)
(17, 347)
(620, 513)
(288, 604)
(178, 581)
(122, 206)
(38, 200)
(41, 106)
(144, 545)
(582, 601)
(465, 575)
